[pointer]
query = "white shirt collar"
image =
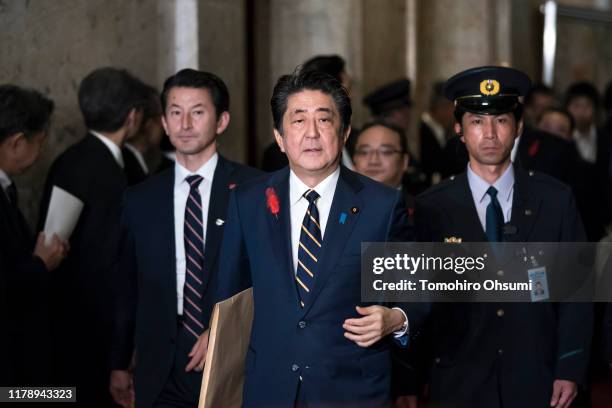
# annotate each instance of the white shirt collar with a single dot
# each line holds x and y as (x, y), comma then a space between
(138, 156)
(504, 185)
(5, 181)
(436, 128)
(114, 149)
(326, 188)
(207, 170)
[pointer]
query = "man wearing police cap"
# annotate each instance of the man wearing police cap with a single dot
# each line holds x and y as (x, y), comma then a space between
(491, 355)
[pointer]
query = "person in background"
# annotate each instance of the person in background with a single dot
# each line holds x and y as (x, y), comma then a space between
(434, 130)
(334, 65)
(26, 261)
(92, 171)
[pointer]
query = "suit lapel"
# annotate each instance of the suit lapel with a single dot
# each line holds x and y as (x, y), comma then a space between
(165, 215)
(217, 212)
(463, 213)
(337, 233)
(525, 207)
(280, 231)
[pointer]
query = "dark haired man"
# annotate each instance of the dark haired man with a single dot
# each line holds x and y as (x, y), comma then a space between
(537, 99)
(490, 355)
(173, 224)
(334, 65)
(26, 261)
(92, 171)
(313, 342)
(143, 148)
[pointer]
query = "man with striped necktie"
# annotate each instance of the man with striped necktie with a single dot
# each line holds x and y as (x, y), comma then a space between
(295, 236)
(172, 229)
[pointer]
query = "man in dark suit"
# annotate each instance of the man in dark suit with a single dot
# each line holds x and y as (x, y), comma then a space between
(172, 229)
(434, 131)
(143, 148)
(295, 236)
(491, 355)
(91, 170)
(381, 154)
(25, 261)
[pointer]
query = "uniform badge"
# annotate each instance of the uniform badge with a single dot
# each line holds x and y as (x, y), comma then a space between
(489, 87)
(452, 240)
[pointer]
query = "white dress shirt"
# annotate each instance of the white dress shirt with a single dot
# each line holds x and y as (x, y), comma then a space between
(112, 147)
(514, 151)
(139, 157)
(586, 144)
(505, 191)
(298, 206)
(5, 182)
(181, 194)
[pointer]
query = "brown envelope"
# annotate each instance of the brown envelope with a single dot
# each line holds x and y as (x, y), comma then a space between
(230, 333)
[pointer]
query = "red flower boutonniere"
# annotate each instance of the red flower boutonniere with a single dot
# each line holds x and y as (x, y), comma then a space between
(533, 149)
(272, 201)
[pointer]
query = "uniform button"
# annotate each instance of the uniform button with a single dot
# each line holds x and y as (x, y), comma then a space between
(302, 324)
(500, 273)
(500, 312)
(295, 367)
(500, 351)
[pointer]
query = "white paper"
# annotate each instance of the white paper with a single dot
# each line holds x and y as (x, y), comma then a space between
(63, 214)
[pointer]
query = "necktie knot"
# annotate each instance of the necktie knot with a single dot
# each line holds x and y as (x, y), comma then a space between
(492, 191)
(194, 180)
(311, 195)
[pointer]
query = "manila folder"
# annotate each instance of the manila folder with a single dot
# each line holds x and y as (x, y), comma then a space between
(230, 333)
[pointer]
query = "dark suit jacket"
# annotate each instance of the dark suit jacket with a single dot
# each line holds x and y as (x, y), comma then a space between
(288, 342)
(81, 286)
(539, 342)
(23, 289)
(145, 293)
(432, 154)
(133, 170)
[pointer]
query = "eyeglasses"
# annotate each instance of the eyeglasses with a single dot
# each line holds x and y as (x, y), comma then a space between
(383, 152)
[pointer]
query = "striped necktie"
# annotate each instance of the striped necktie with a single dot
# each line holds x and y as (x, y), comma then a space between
(309, 248)
(194, 260)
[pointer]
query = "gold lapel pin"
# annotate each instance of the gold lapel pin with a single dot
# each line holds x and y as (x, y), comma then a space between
(452, 240)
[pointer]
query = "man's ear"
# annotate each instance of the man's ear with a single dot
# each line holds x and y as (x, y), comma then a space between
(519, 127)
(15, 141)
(459, 131)
(406, 162)
(223, 122)
(279, 140)
(347, 133)
(164, 124)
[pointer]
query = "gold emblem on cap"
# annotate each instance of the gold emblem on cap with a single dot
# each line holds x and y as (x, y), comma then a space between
(489, 87)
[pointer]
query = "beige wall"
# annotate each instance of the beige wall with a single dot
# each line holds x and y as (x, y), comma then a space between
(52, 45)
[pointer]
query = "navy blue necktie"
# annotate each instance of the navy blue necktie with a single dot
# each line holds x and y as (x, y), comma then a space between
(193, 290)
(309, 248)
(495, 217)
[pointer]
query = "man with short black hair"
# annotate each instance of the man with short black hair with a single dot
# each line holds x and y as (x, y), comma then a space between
(514, 354)
(26, 262)
(172, 228)
(295, 235)
(92, 171)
